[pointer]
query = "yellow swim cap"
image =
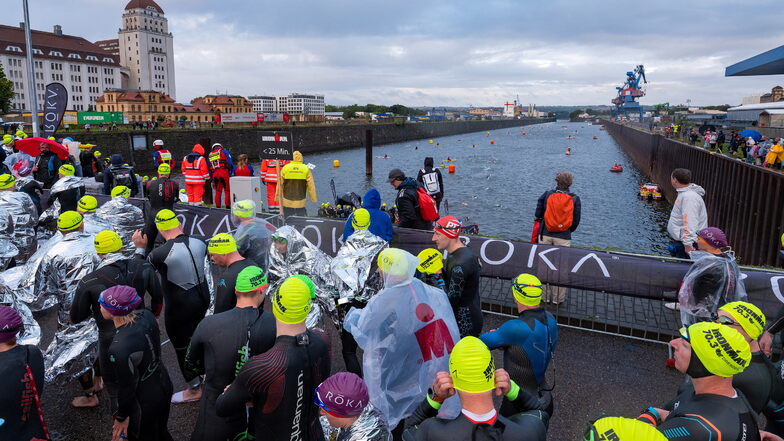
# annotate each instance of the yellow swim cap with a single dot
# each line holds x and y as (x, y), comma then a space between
(527, 289)
(245, 208)
(392, 261)
(360, 219)
(107, 241)
(121, 190)
(622, 429)
(471, 366)
(431, 261)
(291, 302)
(88, 204)
(97, 154)
(66, 170)
(21, 134)
(309, 282)
(721, 350)
(748, 316)
(8, 139)
(7, 181)
(166, 220)
(69, 221)
(164, 169)
(221, 243)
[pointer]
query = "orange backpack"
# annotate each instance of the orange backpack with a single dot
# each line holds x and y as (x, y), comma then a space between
(559, 212)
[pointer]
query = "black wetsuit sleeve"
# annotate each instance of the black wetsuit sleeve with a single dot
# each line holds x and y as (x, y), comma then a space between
(524, 402)
(457, 283)
(153, 287)
(194, 358)
(125, 367)
(36, 361)
(576, 213)
(236, 395)
(421, 413)
(81, 307)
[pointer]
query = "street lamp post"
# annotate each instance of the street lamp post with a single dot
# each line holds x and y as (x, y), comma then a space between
(31, 70)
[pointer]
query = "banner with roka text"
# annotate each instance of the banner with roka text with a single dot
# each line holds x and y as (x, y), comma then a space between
(54, 108)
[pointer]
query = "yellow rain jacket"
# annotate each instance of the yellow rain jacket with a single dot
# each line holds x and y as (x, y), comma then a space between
(776, 153)
(296, 182)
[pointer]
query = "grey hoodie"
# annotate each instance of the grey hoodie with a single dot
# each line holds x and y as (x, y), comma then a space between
(688, 215)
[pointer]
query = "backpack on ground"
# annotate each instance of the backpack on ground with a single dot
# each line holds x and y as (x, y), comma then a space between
(122, 175)
(431, 182)
(428, 210)
(559, 212)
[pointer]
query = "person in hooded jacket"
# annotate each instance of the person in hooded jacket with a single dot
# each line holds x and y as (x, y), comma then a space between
(194, 167)
(430, 178)
(119, 173)
(380, 223)
(407, 201)
(688, 215)
(295, 185)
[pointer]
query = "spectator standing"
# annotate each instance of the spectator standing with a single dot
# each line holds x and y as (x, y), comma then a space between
(119, 173)
(196, 172)
(558, 211)
(295, 185)
(161, 155)
(430, 178)
(221, 166)
(46, 166)
(407, 201)
(688, 215)
(380, 223)
(243, 168)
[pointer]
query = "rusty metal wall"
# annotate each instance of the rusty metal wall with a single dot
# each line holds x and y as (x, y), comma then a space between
(744, 200)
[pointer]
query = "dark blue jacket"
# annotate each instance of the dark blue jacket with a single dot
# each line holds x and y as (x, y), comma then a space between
(541, 206)
(380, 223)
(108, 176)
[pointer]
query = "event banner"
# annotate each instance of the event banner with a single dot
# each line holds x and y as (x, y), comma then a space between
(54, 108)
(617, 273)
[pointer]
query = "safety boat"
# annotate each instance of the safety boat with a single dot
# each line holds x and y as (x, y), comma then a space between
(650, 191)
(617, 168)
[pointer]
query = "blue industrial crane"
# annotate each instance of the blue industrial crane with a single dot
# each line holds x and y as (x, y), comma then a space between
(629, 92)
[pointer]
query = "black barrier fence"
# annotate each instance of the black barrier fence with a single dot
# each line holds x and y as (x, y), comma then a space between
(608, 291)
(742, 199)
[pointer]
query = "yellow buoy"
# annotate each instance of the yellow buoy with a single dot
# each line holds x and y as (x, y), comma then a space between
(336, 163)
(431, 141)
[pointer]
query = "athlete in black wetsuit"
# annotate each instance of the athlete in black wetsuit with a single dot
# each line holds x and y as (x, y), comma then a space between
(180, 262)
(224, 254)
(114, 269)
(461, 276)
(708, 417)
(219, 348)
(21, 383)
(144, 384)
(162, 193)
(281, 381)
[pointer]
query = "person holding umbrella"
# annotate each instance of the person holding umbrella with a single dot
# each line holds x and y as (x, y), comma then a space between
(46, 166)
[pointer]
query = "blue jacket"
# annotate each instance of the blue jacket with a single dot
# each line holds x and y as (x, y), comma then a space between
(380, 223)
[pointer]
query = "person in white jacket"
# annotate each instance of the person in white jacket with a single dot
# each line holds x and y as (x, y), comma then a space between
(688, 215)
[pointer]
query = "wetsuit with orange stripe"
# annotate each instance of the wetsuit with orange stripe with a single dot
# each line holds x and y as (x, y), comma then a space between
(709, 417)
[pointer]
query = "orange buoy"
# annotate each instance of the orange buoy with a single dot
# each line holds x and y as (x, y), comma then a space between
(492, 142)
(451, 168)
(336, 163)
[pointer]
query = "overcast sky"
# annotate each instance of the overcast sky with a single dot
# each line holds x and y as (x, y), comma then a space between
(457, 53)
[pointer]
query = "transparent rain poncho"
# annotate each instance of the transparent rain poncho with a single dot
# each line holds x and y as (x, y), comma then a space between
(73, 349)
(406, 332)
(370, 426)
(291, 254)
(125, 218)
(351, 267)
(24, 217)
(711, 282)
(254, 237)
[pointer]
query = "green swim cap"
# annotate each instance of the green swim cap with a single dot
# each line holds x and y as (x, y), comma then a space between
(121, 190)
(166, 220)
(291, 302)
(69, 221)
(471, 366)
(246, 208)
(222, 243)
(88, 204)
(748, 316)
(622, 429)
(250, 279)
(360, 219)
(721, 350)
(527, 289)
(308, 282)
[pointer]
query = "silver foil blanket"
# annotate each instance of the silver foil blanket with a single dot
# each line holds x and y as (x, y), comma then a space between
(24, 218)
(125, 218)
(370, 426)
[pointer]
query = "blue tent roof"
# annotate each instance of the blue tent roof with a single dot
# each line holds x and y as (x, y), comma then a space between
(766, 63)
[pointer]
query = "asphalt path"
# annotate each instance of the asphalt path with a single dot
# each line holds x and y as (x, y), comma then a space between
(595, 375)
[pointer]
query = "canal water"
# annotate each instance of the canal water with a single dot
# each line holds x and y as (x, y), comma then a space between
(500, 175)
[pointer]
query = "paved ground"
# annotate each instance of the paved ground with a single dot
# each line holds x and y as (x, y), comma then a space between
(595, 375)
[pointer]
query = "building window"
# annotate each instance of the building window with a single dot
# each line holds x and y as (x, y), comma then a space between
(13, 48)
(55, 54)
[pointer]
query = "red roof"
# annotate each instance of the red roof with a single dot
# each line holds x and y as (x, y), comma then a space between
(143, 4)
(13, 37)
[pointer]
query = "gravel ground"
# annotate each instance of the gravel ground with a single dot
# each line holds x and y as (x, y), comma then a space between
(595, 375)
